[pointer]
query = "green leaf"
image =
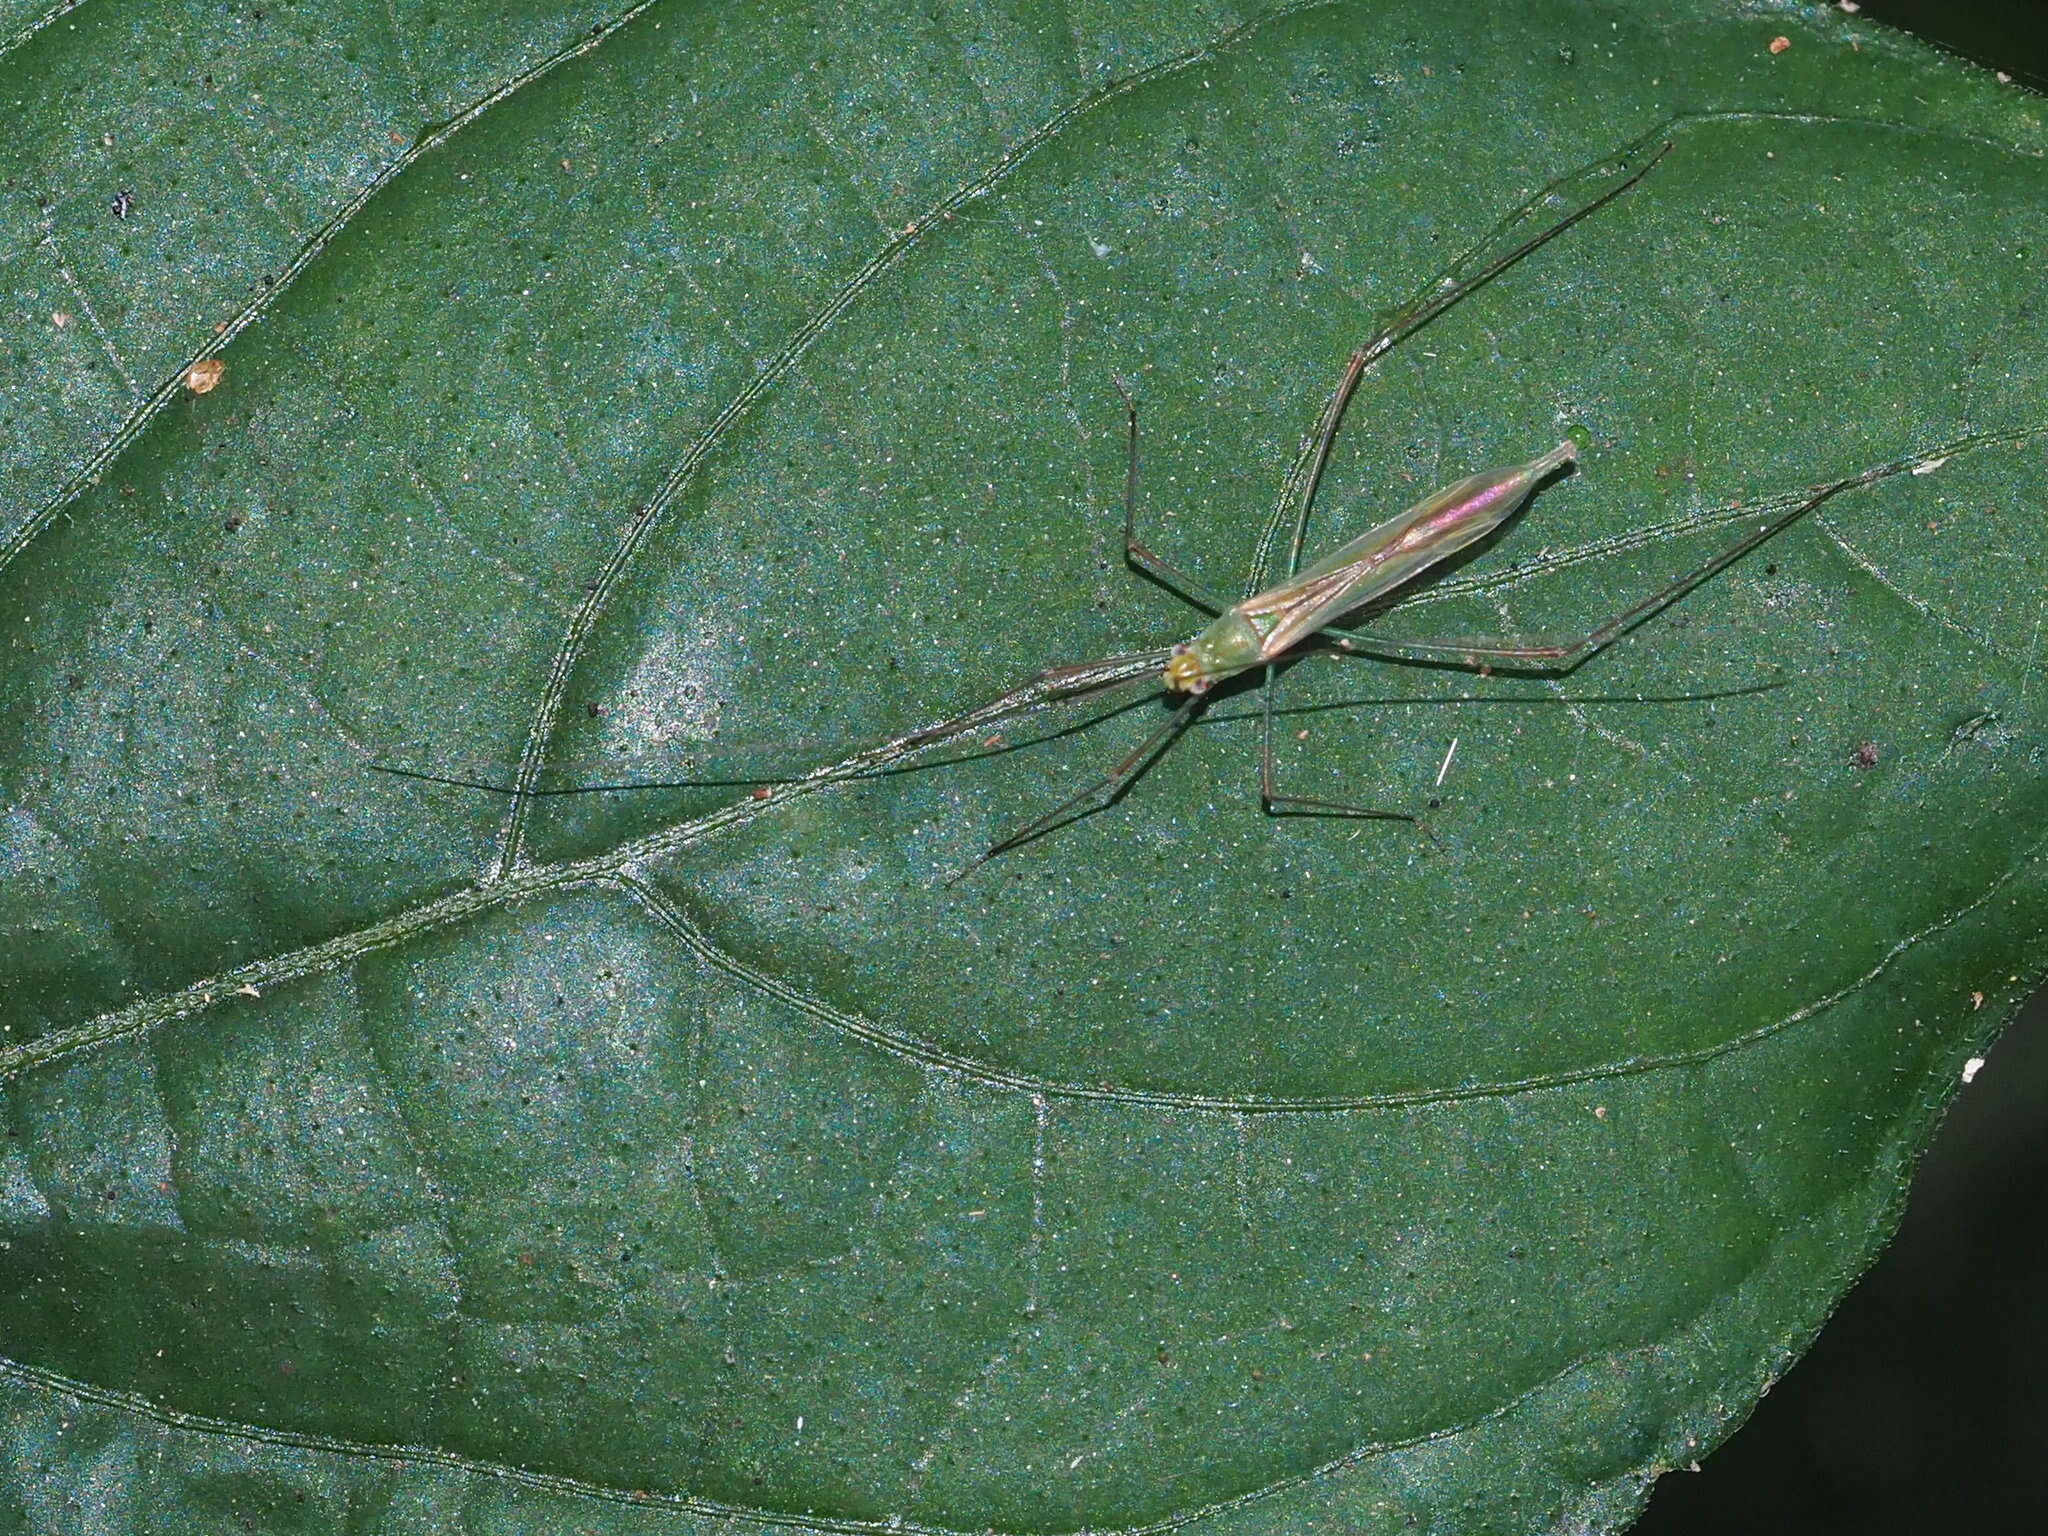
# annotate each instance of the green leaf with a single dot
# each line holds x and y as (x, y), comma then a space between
(381, 1154)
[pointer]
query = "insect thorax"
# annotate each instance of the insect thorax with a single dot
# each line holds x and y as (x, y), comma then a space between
(1227, 647)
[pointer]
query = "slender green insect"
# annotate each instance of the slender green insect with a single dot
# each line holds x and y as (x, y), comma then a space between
(1272, 625)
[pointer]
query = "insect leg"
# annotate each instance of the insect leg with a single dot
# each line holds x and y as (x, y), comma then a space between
(1161, 570)
(1106, 788)
(1474, 269)
(1477, 267)
(1562, 654)
(1277, 804)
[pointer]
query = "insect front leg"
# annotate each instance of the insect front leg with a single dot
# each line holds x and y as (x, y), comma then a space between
(1161, 570)
(1098, 793)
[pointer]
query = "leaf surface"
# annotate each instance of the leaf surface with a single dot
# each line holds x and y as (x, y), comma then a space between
(599, 387)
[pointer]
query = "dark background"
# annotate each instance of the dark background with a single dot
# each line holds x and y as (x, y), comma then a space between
(2011, 35)
(1923, 1406)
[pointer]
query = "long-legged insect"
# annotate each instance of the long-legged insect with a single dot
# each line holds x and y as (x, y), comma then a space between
(1259, 631)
